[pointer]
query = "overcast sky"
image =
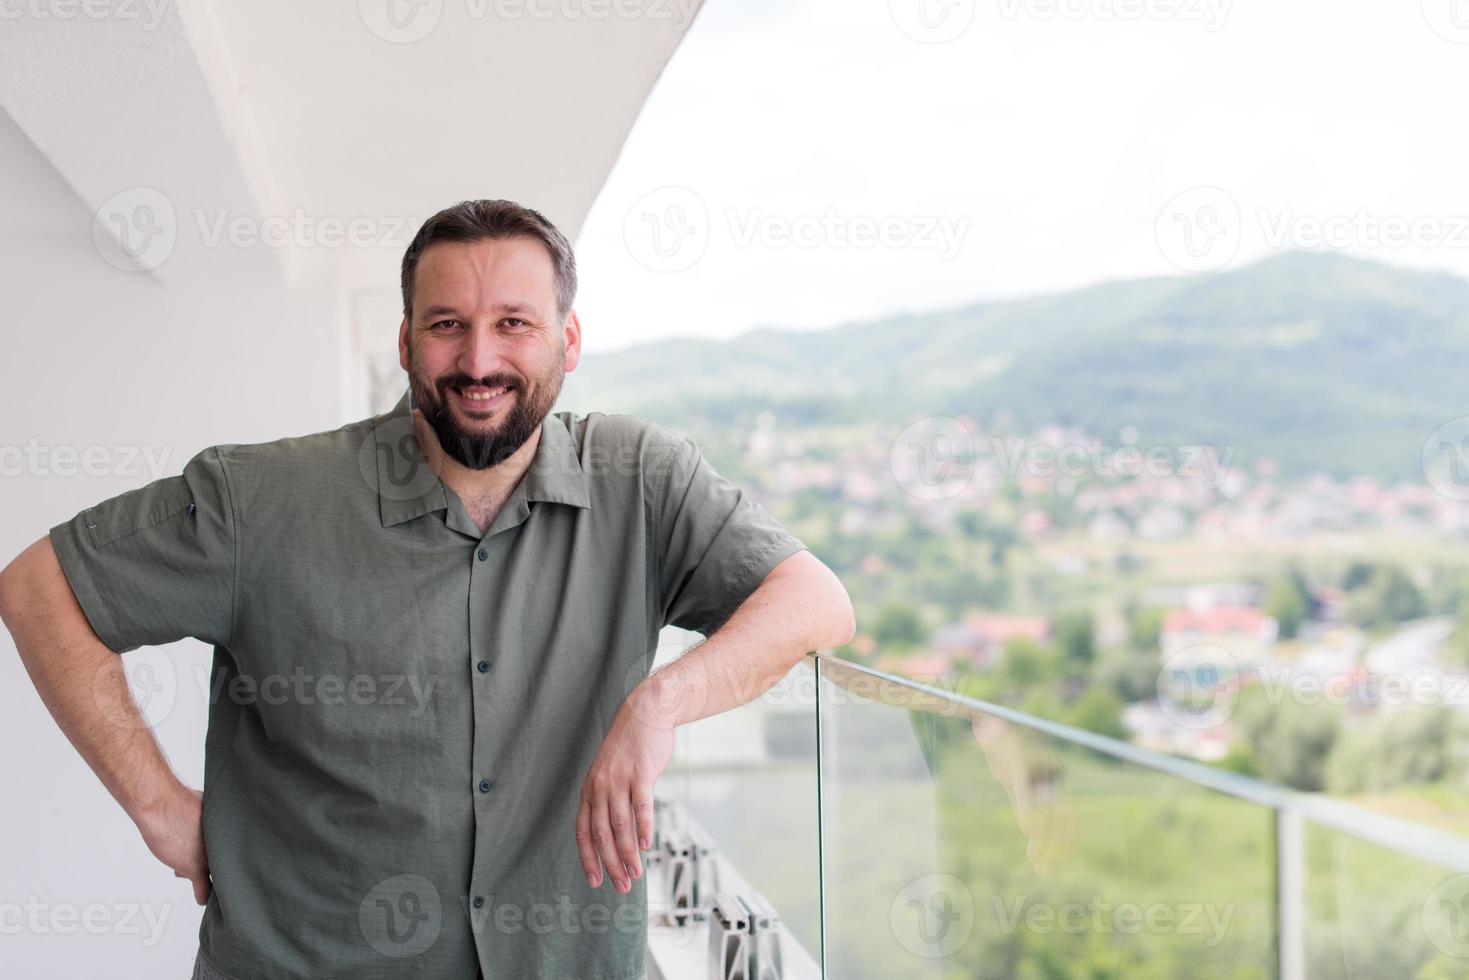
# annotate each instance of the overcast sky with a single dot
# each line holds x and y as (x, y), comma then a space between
(803, 163)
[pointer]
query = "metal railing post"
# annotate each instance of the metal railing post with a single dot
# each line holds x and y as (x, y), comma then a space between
(1290, 894)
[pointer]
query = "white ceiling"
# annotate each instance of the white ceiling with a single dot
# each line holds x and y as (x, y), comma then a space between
(325, 110)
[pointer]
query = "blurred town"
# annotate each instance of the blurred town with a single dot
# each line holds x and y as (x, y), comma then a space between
(1308, 630)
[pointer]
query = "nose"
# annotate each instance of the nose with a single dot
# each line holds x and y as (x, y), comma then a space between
(480, 354)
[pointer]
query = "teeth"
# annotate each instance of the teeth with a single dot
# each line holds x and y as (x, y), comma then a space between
(481, 396)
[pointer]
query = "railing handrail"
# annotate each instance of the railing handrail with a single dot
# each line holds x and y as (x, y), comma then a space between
(1430, 844)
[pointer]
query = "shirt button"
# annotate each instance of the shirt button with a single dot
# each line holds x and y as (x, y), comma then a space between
(483, 554)
(484, 785)
(484, 666)
(479, 901)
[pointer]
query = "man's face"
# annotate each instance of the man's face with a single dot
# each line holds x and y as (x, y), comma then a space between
(484, 349)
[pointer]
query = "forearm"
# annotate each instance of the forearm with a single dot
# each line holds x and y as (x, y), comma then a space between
(82, 684)
(800, 607)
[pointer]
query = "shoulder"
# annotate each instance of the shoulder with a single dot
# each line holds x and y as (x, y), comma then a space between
(635, 454)
(633, 436)
(328, 459)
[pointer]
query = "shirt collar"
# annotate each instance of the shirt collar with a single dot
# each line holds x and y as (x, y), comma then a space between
(407, 488)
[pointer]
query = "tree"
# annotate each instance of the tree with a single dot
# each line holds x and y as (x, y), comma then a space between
(1419, 744)
(1388, 597)
(1130, 674)
(1288, 602)
(1025, 665)
(1145, 627)
(1358, 574)
(1076, 639)
(1100, 711)
(1456, 649)
(1289, 741)
(1239, 759)
(897, 624)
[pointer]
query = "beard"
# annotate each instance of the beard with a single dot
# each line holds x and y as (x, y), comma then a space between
(484, 443)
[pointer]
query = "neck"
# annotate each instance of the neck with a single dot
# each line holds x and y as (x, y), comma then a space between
(492, 485)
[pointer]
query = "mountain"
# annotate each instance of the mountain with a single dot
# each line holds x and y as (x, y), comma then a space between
(1324, 362)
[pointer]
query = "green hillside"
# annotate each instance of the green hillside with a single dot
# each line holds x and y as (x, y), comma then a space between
(1321, 361)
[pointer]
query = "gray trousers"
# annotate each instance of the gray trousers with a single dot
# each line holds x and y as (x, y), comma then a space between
(203, 971)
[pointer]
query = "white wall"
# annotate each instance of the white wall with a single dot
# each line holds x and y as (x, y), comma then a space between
(94, 356)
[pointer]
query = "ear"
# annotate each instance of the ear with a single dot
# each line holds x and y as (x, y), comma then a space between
(571, 328)
(403, 343)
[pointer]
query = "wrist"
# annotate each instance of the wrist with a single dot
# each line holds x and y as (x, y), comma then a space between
(151, 809)
(655, 701)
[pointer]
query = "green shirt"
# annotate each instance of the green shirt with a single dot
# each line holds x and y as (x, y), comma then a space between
(402, 708)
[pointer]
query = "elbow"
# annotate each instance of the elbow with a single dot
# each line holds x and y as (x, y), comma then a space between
(844, 622)
(8, 593)
(840, 625)
(826, 616)
(16, 581)
(7, 588)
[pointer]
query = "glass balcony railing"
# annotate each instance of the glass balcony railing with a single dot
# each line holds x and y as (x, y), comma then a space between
(892, 829)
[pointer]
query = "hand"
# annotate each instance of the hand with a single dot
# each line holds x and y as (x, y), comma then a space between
(1019, 769)
(615, 817)
(174, 832)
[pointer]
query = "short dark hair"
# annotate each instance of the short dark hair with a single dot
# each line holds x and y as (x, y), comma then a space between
(470, 221)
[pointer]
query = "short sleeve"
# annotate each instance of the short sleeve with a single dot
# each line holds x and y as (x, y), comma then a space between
(714, 542)
(156, 564)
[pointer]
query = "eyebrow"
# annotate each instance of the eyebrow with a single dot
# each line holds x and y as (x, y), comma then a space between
(441, 310)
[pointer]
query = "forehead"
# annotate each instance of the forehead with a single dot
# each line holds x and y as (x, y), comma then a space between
(483, 273)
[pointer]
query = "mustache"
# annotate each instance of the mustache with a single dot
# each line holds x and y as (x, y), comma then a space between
(465, 381)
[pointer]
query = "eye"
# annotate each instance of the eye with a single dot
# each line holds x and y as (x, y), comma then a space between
(515, 323)
(443, 323)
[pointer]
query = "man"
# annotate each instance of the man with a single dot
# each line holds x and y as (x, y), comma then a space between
(433, 735)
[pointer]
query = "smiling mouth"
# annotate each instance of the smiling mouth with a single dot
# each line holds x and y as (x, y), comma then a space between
(480, 398)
